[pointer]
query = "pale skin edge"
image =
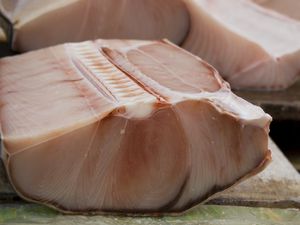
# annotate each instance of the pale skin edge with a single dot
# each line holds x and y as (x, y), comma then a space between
(265, 162)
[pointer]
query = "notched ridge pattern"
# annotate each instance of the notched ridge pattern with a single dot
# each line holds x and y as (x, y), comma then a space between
(117, 86)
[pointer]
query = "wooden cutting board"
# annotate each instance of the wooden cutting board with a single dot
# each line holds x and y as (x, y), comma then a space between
(277, 186)
(30, 214)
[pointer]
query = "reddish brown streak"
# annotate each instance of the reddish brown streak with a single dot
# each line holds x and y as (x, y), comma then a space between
(111, 56)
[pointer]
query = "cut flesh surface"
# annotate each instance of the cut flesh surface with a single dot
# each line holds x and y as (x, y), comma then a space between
(124, 126)
(244, 42)
(240, 38)
(44, 23)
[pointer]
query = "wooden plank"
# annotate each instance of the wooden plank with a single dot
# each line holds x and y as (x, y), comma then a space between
(202, 214)
(276, 186)
(281, 105)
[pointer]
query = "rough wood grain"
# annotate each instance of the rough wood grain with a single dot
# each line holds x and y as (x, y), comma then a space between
(202, 214)
(276, 186)
(281, 105)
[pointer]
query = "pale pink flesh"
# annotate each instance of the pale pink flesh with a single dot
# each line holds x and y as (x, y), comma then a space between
(289, 8)
(243, 41)
(238, 37)
(62, 21)
(91, 129)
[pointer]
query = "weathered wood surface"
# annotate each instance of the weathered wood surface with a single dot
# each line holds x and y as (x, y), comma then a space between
(202, 214)
(281, 105)
(277, 186)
